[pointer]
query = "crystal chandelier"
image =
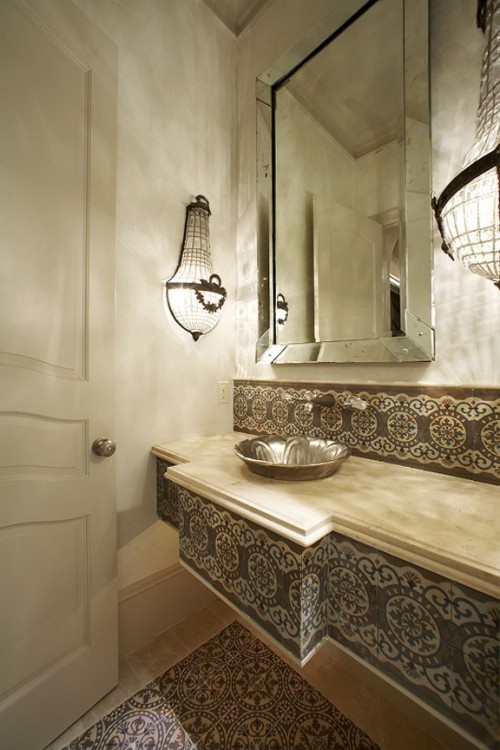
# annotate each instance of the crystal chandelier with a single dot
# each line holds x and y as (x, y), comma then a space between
(468, 210)
(194, 293)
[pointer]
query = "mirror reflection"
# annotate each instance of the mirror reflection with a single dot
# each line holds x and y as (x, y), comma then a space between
(347, 228)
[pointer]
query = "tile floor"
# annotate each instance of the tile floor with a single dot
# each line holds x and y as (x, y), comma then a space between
(385, 724)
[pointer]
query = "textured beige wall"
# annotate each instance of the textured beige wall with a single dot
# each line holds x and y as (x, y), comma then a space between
(176, 138)
(467, 307)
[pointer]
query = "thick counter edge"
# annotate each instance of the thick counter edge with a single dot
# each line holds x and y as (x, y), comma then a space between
(207, 467)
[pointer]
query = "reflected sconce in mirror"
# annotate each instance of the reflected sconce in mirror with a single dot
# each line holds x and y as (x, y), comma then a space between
(281, 309)
(468, 209)
(195, 294)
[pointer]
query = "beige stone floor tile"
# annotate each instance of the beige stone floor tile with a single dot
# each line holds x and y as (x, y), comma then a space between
(198, 627)
(154, 658)
(224, 611)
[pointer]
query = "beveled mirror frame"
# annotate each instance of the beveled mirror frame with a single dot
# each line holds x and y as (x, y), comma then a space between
(417, 308)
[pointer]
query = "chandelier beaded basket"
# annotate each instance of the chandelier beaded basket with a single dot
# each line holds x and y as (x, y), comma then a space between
(194, 293)
(468, 209)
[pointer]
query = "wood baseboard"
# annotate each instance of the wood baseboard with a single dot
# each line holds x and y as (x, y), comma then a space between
(157, 602)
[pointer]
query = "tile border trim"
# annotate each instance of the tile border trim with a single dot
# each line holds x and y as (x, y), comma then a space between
(452, 430)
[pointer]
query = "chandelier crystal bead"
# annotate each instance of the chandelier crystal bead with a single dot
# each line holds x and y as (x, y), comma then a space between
(468, 210)
(195, 294)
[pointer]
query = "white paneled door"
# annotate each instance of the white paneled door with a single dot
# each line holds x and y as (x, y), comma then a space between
(58, 603)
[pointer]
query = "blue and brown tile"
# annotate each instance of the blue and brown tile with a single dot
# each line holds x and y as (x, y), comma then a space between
(452, 430)
(476, 661)
(232, 692)
(414, 630)
(352, 596)
(280, 585)
(167, 502)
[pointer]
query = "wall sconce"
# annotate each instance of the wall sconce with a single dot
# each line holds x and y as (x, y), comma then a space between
(194, 293)
(281, 309)
(467, 211)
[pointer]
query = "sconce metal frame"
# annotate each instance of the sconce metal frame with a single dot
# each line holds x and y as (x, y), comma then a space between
(195, 294)
(479, 167)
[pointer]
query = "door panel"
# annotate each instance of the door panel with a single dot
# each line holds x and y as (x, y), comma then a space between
(42, 447)
(45, 160)
(47, 623)
(58, 626)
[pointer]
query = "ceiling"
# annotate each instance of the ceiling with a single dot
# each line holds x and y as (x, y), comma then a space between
(353, 86)
(236, 14)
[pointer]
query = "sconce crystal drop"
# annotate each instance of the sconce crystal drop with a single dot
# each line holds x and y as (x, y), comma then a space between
(468, 210)
(194, 293)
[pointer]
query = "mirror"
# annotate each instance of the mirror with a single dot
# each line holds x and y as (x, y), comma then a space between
(343, 173)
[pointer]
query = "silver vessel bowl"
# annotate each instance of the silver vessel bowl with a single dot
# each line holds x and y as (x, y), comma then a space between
(295, 458)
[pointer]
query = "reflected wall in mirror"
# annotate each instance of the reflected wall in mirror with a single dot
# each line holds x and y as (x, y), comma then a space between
(344, 215)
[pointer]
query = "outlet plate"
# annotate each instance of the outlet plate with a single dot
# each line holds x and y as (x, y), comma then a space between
(222, 392)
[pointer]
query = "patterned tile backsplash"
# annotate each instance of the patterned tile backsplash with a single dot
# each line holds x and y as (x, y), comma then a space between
(450, 430)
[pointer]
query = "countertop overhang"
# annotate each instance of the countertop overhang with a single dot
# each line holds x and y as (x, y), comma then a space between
(443, 523)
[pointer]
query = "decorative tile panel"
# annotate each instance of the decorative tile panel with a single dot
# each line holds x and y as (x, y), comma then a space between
(476, 660)
(438, 639)
(450, 430)
(414, 630)
(308, 592)
(280, 585)
(167, 502)
(352, 597)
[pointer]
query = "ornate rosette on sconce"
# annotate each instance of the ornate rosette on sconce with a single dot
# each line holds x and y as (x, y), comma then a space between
(468, 209)
(194, 293)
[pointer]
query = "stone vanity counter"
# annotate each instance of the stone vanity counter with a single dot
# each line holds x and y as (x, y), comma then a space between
(445, 524)
(397, 566)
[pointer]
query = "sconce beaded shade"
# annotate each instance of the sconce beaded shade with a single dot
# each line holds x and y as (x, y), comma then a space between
(468, 210)
(194, 293)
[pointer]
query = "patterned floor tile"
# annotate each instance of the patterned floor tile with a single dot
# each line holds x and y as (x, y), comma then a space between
(234, 693)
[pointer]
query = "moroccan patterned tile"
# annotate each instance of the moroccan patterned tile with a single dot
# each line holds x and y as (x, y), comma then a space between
(473, 613)
(476, 663)
(414, 630)
(231, 693)
(475, 689)
(144, 719)
(487, 433)
(308, 593)
(352, 596)
(278, 584)
(452, 430)
(167, 495)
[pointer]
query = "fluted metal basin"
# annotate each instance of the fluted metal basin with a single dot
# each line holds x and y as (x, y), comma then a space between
(295, 458)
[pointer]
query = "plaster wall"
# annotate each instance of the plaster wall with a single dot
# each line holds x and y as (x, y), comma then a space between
(467, 308)
(176, 139)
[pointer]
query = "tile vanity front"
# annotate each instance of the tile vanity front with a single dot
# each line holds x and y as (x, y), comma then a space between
(400, 567)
